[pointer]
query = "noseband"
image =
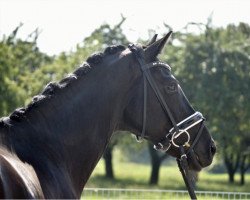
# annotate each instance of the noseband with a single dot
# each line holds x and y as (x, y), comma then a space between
(179, 129)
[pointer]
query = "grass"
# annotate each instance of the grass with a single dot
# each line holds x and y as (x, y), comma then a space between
(135, 176)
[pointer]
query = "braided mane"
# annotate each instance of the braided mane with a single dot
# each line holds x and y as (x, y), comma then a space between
(53, 87)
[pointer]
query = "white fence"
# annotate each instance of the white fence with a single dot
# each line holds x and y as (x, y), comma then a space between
(108, 193)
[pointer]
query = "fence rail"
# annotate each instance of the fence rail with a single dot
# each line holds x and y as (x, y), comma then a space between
(111, 193)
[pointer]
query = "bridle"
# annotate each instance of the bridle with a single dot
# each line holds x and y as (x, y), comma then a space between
(179, 129)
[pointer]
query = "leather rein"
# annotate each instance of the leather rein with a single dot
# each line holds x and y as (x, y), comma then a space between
(178, 129)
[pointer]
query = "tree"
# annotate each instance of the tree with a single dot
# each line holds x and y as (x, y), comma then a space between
(18, 60)
(216, 79)
(244, 159)
(156, 160)
(108, 158)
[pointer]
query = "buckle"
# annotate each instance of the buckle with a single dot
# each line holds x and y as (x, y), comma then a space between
(161, 147)
(178, 134)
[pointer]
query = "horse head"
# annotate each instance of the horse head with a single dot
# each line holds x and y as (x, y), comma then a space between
(160, 112)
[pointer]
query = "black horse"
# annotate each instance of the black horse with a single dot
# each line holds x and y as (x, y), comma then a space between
(50, 148)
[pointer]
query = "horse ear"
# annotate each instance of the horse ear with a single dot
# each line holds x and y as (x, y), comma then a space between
(152, 51)
(152, 40)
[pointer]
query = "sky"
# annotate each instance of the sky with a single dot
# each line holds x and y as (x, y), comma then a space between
(64, 23)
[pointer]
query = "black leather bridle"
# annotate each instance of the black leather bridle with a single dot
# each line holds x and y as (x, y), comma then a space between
(178, 128)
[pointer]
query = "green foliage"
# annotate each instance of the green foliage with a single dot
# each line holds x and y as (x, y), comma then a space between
(219, 63)
(18, 60)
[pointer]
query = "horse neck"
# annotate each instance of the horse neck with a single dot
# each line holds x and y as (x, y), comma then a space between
(78, 125)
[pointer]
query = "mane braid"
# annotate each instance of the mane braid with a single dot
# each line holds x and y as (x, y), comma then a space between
(2, 122)
(52, 88)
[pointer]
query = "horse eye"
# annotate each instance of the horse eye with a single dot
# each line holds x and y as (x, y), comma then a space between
(171, 88)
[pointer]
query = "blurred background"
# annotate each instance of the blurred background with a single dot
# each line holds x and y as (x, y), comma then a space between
(43, 41)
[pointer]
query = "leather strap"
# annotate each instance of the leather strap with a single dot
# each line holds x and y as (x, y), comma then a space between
(183, 167)
(165, 143)
(139, 54)
(197, 137)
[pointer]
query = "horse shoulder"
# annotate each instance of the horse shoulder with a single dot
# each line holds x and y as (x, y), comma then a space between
(17, 179)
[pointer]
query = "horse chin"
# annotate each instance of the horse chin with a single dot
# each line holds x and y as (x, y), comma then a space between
(194, 162)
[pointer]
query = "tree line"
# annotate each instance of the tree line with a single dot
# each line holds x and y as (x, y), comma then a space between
(212, 64)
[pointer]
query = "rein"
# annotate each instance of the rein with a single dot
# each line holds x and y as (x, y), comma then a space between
(178, 128)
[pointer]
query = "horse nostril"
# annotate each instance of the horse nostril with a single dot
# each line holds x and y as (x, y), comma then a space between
(213, 148)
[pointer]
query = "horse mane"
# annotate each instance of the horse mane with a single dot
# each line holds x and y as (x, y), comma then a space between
(53, 87)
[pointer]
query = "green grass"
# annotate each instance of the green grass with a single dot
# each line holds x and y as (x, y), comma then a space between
(136, 176)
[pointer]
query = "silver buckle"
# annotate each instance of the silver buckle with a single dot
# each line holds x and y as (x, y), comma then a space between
(178, 134)
(161, 147)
